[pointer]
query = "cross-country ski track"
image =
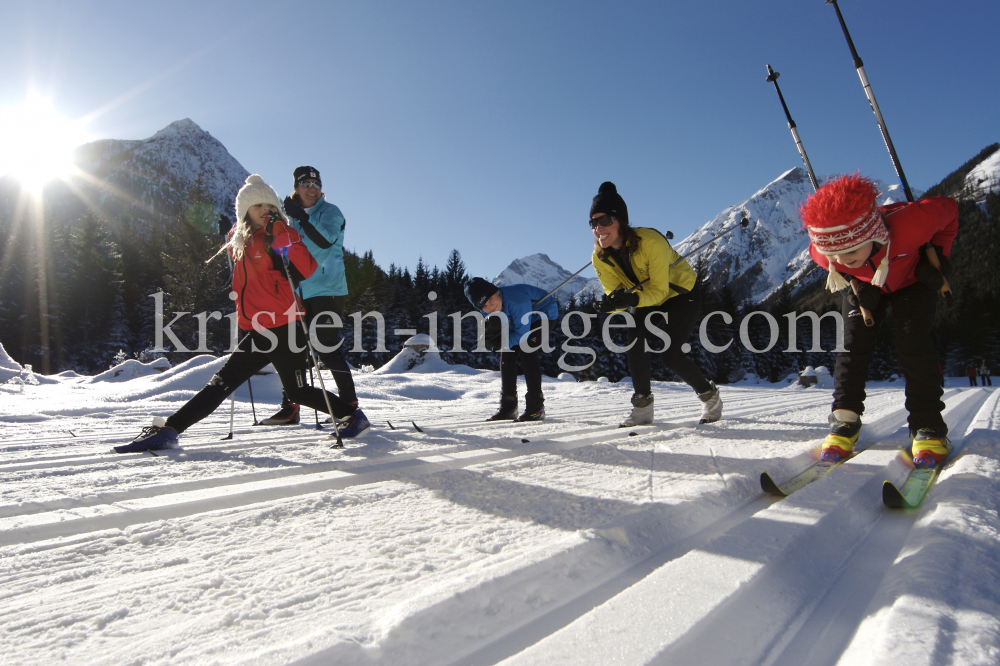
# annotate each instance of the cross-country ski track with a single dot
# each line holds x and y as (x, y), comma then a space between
(569, 541)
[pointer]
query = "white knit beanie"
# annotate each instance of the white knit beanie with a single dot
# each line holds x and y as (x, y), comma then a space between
(255, 191)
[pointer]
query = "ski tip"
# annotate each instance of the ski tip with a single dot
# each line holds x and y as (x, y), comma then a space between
(525, 441)
(391, 427)
(416, 426)
(768, 485)
(633, 434)
(891, 496)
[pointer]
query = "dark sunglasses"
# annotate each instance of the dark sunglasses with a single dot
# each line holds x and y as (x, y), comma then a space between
(603, 220)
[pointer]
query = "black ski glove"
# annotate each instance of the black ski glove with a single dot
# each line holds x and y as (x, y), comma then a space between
(867, 297)
(493, 333)
(300, 214)
(929, 276)
(293, 209)
(617, 300)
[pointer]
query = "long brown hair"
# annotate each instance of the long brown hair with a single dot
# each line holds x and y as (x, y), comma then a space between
(630, 242)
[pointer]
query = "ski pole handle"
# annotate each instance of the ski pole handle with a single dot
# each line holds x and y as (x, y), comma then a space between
(865, 312)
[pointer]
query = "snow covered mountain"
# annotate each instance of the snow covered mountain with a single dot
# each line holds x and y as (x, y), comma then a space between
(540, 271)
(983, 179)
(150, 177)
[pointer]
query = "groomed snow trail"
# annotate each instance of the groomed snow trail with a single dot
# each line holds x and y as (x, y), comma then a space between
(569, 541)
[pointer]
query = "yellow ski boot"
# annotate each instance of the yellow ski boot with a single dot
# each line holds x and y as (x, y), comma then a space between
(930, 447)
(839, 444)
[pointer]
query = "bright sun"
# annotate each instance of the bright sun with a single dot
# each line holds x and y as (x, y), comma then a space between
(36, 143)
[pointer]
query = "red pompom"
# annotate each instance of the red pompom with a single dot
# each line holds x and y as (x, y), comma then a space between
(847, 200)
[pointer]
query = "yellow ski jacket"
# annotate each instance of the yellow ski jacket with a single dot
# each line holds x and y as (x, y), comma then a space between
(650, 260)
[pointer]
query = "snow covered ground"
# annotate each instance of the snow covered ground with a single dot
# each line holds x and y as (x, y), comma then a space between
(565, 542)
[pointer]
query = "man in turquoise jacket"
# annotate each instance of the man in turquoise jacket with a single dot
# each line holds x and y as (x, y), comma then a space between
(321, 225)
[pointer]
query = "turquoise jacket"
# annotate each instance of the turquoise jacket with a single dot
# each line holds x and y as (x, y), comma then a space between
(329, 278)
(519, 300)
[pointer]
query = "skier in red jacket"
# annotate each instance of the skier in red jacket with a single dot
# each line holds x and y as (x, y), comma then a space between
(268, 317)
(879, 252)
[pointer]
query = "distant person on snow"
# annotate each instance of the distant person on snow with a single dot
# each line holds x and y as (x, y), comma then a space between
(264, 296)
(321, 225)
(984, 372)
(882, 248)
(524, 340)
(640, 271)
(970, 372)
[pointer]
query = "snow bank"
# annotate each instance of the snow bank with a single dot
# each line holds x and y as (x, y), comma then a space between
(9, 368)
(132, 369)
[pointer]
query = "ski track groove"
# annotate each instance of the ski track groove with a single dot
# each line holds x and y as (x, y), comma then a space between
(364, 471)
(779, 543)
(275, 436)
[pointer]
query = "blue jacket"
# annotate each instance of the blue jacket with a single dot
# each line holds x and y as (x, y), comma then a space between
(329, 278)
(519, 300)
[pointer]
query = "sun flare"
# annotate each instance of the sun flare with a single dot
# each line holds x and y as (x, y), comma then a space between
(37, 143)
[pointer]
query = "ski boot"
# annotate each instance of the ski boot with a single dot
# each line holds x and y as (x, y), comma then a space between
(930, 447)
(534, 408)
(642, 411)
(508, 409)
(152, 438)
(711, 411)
(346, 419)
(839, 444)
(356, 426)
(287, 415)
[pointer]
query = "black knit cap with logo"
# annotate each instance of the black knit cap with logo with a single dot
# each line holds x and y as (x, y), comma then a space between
(306, 173)
(609, 202)
(478, 291)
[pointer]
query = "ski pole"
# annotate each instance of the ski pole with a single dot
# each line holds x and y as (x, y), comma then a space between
(312, 352)
(232, 396)
(252, 406)
(562, 284)
(860, 67)
(744, 223)
(772, 77)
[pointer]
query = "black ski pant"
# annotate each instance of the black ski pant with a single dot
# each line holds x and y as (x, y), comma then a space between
(972, 381)
(532, 369)
(987, 380)
(247, 360)
(317, 310)
(681, 314)
(912, 313)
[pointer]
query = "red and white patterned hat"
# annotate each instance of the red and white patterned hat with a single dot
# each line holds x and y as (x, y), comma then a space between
(842, 216)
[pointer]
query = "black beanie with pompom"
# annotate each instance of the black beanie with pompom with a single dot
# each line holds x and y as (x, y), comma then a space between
(609, 202)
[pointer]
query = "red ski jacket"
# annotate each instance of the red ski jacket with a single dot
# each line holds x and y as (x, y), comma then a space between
(911, 225)
(259, 278)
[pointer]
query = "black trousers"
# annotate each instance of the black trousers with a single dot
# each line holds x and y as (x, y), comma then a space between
(681, 316)
(315, 308)
(245, 362)
(529, 364)
(912, 313)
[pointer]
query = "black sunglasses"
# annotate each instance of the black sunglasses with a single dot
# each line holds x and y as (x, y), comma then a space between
(603, 220)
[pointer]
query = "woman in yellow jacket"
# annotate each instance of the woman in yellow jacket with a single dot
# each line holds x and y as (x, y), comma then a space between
(668, 297)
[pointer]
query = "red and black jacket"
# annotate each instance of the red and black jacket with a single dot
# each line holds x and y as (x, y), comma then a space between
(259, 278)
(911, 225)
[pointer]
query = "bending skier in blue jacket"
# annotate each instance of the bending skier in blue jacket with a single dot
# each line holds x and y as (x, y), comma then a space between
(517, 301)
(321, 225)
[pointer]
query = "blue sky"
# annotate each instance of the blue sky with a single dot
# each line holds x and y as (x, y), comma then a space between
(487, 127)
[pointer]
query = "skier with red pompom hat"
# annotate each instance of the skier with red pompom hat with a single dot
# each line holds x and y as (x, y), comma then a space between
(880, 250)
